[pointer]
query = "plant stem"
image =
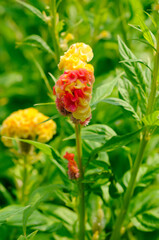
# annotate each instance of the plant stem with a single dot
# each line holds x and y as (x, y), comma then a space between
(143, 143)
(130, 189)
(24, 179)
(154, 79)
(54, 30)
(80, 184)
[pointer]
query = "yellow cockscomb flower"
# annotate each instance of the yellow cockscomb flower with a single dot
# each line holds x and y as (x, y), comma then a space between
(77, 57)
(27, 124)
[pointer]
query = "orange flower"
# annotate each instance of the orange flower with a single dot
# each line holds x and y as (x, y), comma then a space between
(73, 170)
(74, 88)
(73, 91)
(26, 124)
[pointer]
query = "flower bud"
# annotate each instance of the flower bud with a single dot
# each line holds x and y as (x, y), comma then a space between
(73, 171)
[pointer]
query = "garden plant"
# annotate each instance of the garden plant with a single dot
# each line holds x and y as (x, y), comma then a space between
(79, 103)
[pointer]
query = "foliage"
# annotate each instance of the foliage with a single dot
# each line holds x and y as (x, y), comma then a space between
(33, 37)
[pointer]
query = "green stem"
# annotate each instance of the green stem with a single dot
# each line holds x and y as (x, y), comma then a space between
(24, 180)
(80, 184)
(154, 80)
(143, 143)
(129, 191)
(54, 30)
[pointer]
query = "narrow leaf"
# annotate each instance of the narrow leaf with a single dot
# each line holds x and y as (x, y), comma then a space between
(137, 60)
(43, 75)
(145, 42)
(33, 9)
(32, 235)
(104, 90)
(52, 77)
(146, 32)
(44, 104)
(11, 210)
(22, 237)
(114, 143)
(132, 69)
(95, 133)
(41, 43)
(144, 210)
(128, 93)
(151, 119)
(53, 117)
(48, 150)
(123, 104)
(39, 195)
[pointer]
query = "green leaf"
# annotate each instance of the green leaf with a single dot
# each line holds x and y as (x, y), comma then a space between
(123, 104)
(32, 235)
(29, 237)
(145, 42)
(9, 79)
(147, 173)
(137, 60)
(53, 117)
(144, 210)
(22, 237)
(62, 213)
(60, 25)
(33, 9)
(103, 90)
(115, 189)
(152, 20)
(128, 93)
(92, 175)
(133, 69)
(114, 143)
(151, 119)
(136, 6)
(6, 193)
(95, 133)
(43, 75)
(40, 43)
(12, 210)
(48, 150)
(39, 195)
(44, 104)
(52, 77)
(145, 30)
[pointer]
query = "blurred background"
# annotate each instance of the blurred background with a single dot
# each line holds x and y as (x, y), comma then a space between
(27, 57)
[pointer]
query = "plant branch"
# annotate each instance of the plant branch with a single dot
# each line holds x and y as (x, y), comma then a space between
(24, 179)
(53, 8)
(143, 143)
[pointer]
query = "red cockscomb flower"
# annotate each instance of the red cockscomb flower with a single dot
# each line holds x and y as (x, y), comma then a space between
(74, 88)
(73, 171)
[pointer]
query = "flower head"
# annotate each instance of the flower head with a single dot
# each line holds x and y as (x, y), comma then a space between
(74, 88)
(77, 57)
(27, 124)
(73, 170)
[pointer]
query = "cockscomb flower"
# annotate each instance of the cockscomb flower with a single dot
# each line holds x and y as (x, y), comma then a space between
(77, 57)
(27, 124)
(74, 88)
(73, 171)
